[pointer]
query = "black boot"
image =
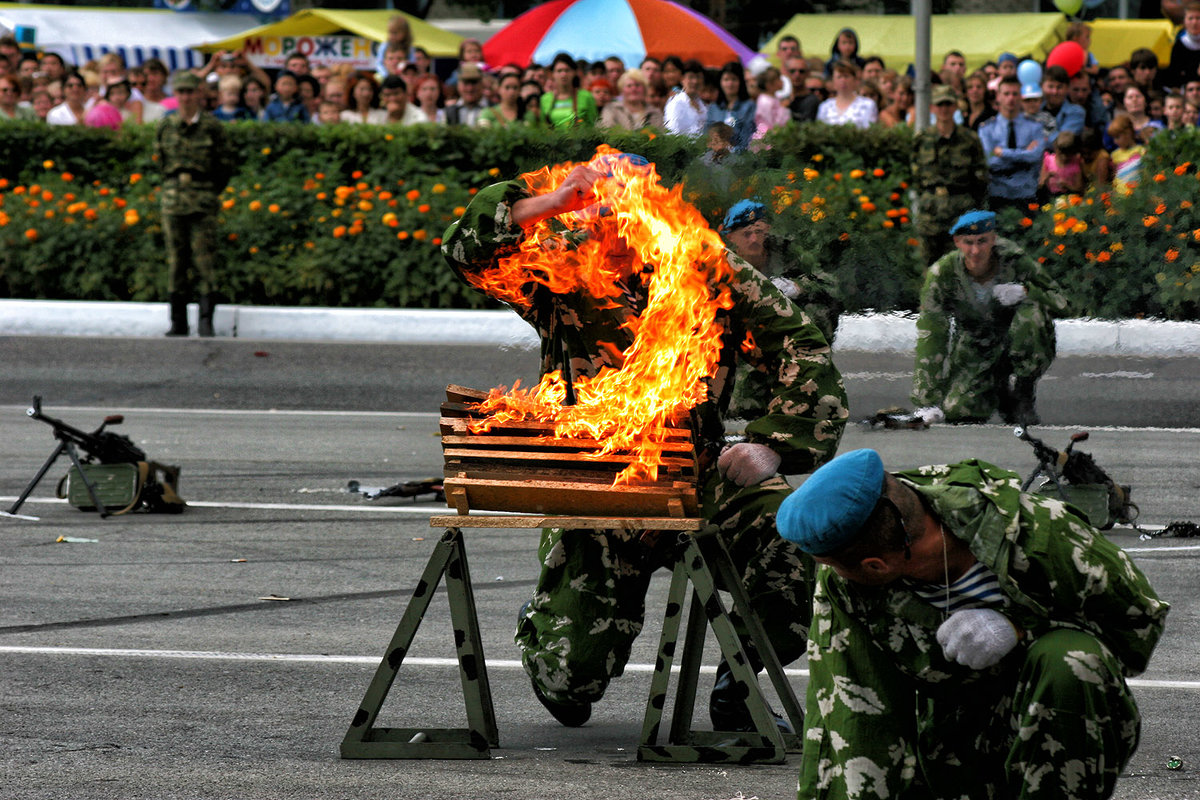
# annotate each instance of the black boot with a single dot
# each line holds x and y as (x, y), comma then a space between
(1024, 411)
(207, 306)
(727, 707)
(179, 320)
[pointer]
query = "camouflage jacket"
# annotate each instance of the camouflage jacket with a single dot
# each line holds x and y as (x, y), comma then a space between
(196, 163)
(581, 335)
(950, 294)
(949, 175)
(1055, 571)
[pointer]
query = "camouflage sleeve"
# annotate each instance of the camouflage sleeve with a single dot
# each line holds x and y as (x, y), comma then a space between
(858, 731)
(486, 232)
(1085, 581)
(1041, 288)
(807, 411)
(933, 335)
(978, 175)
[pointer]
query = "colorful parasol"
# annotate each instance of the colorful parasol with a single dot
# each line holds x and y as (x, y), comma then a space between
(630, 29)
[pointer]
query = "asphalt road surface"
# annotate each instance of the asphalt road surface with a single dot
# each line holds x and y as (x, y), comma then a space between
(222, 653)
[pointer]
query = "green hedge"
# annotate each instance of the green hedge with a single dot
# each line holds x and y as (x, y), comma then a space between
(351, 215)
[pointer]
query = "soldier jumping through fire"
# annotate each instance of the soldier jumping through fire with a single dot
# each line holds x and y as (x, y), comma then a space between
(575, 634)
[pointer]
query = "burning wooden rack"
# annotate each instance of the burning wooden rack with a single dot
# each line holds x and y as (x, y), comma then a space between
(506, 469)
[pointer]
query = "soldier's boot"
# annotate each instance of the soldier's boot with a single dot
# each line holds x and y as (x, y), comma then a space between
(727, 706)
(571, 715)
(207, 306)
(179, 320)
(1024, 400)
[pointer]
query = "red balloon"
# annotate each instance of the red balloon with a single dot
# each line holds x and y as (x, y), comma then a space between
(1068, 55)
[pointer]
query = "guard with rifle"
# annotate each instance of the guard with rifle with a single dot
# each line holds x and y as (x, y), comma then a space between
(112, 474)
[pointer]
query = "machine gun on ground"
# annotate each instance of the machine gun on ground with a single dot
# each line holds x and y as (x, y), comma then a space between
(1075, 477)
(113, 472)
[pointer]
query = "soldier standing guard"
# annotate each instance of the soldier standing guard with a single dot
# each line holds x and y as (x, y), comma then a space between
(950, 174)
(192, 152)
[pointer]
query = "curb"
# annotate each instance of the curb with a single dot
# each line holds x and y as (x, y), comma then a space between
(879, 333)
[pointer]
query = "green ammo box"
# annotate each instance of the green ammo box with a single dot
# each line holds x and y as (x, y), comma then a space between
(116, 485)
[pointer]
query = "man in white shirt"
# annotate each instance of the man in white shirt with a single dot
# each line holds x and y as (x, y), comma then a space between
(685, 112)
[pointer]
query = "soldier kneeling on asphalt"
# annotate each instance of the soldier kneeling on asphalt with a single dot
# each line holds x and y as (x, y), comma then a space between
(986, 328)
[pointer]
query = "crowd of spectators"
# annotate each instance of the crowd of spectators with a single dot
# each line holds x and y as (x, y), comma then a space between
(1087, 128)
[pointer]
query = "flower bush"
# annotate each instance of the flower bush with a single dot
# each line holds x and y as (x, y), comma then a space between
(353, 215)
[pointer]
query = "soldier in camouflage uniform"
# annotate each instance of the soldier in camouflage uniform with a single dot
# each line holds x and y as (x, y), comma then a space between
(747, 232)
(196, 163)
(949, 174)
(968, 640)
(576, 633)
(985, 333)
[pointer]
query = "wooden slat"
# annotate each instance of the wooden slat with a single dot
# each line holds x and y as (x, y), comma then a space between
(464, 394)
(518, 456)
(460, 425)
(596, 523)
(526, 472)
(544, 443)
(546, 497)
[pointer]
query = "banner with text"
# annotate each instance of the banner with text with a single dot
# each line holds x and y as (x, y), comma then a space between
(273, 51)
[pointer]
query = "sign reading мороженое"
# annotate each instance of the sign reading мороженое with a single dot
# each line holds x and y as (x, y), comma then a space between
(272, 51)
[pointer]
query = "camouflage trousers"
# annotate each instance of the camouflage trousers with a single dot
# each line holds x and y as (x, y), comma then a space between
(191, 241)
(977, 369)
(577, 632)
(1055, 721)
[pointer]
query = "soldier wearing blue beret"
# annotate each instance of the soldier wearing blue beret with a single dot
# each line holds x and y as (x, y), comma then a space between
(967, 639)
(985, 334)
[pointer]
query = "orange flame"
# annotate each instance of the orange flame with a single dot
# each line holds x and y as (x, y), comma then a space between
(676, 338)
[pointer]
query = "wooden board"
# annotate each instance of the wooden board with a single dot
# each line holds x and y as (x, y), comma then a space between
(595, 523)
(575, 499)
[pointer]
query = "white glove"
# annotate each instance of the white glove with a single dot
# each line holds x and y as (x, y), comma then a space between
(747, 463)
(1008, 294)
(789, 287)
(930, 415)
(977, 637)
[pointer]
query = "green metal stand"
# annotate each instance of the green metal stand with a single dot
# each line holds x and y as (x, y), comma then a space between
(363, 740)
(767, 744)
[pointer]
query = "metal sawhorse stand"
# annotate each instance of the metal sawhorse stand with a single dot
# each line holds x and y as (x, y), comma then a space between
(701, 551)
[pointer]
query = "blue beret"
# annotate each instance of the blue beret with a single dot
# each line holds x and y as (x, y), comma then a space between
(828, 510)
(974, 222)
(743, 212)
(1006, 57)
(606, 163)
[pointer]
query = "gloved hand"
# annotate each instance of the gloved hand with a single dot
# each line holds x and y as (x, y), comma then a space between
(789, 287)
(748, 463)
(977, 637)
(930, 415)
(1008, 294)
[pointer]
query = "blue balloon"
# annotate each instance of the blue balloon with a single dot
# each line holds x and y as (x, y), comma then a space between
(1029, 72)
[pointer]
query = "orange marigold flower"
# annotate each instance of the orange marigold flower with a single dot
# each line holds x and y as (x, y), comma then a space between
(255, 205)
(912, 242)
(365, 205)
(1161, 208)
(321, 195)
(1060, 249)
(1172, 254)
(339, 231)
(460, 210)
(253, 250)
(887, 223)
(1026, 222)
(1103, 256)
(47, 164)
(412, 194)
(385, 195)
(402, 235)
(119, 202)
(232, 237)
(90, 215)
(856, 173)
(320, 176)
(1185, 204)
(437, 242)
(273, 208)
(135, 177)
(868, 207)
(47, 195)
(420, 235)
(230, 203)
(423, 208)
(31, 234)
(1181, 169)
(473, 190)
(356, 174)
(1149, 221)
(879, 172)
(68, 177)
(438, 188)
(362, 186)
(1159, 178)
(131, 216)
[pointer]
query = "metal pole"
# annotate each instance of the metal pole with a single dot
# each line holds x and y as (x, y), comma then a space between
(921, 87)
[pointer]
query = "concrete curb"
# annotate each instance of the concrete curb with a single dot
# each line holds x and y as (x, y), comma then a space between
(884, 333)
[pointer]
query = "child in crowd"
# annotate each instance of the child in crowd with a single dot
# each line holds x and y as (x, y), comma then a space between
(254, 99)
(328, 113)
(1097, 166)
(720, 144)
(1174, 111)
(119, 94)
(287, 106)
(229, 99)
(1127, 156)
(1062, 168)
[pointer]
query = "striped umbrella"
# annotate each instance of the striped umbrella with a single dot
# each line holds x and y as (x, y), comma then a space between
(630, 29)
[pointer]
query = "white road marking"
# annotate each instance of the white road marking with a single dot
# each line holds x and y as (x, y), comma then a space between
(324, 658)
(271, 412)
(406, 509)
(1142, 376)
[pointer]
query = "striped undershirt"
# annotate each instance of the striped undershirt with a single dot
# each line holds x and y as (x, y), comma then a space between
(977, 588)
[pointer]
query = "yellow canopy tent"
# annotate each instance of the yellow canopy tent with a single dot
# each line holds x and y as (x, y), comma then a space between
(979, 37)
(1114, 39)
(331, 36)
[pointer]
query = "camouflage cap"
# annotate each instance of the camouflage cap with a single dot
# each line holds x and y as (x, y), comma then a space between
(185, 79)
(944, 94)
